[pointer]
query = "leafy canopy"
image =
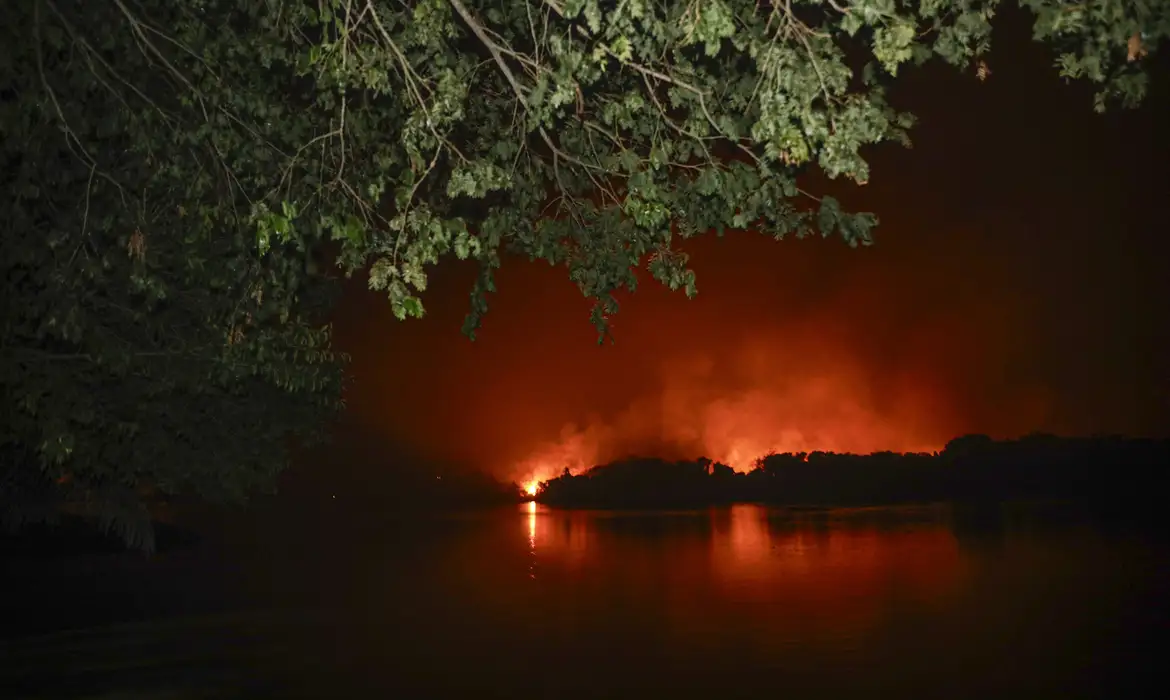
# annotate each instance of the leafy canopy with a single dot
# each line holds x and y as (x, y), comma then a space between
(590, 134)
(172, 165)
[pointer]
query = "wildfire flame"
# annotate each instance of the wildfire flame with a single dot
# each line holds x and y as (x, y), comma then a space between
(531, 487)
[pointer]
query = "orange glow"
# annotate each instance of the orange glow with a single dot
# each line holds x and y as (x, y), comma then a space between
(758, 561)
(740, 407)
(844, 572)
(530, 509)
(531, 487)
(791, 347)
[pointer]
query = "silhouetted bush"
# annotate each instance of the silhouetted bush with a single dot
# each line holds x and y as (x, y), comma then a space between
(1129, 473)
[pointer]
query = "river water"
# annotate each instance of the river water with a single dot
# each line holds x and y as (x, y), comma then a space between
(745, 601)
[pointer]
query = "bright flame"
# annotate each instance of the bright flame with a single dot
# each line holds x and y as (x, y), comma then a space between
(531, 487)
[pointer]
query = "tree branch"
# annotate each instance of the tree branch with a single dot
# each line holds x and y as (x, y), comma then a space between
(498, 57)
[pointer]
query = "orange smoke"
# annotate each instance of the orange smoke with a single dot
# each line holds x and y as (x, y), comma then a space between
(789, 347)
(768, 394)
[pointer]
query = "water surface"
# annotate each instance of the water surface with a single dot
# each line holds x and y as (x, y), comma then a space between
(728, 602)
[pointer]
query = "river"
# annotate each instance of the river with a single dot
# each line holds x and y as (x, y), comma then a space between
(743, 601)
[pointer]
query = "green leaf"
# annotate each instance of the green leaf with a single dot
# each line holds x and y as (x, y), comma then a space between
(851, 22)
(892, 45)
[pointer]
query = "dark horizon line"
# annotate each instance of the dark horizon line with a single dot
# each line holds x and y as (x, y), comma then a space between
(1108, 470)
(981, 437)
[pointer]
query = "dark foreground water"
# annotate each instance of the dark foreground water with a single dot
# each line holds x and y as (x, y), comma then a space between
(528, 603)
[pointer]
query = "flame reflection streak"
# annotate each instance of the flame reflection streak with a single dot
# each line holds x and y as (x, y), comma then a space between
(531, 508)
(834, 572)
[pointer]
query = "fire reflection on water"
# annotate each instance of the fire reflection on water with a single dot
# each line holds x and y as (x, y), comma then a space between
(838, 572)
(531, 508)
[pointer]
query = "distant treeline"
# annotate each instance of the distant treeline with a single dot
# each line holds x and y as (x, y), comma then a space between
(973, 468)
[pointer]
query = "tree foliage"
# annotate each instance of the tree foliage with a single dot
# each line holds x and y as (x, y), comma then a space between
(149, 347)
(171, 164)
(591, 134)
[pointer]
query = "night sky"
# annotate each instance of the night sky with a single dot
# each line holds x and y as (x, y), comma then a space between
(1017, 284)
